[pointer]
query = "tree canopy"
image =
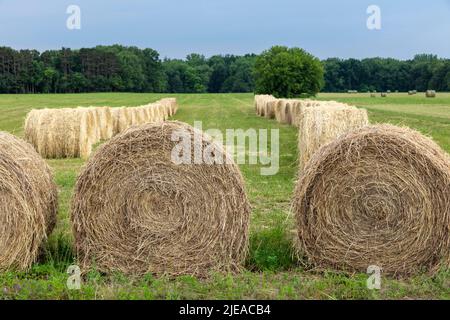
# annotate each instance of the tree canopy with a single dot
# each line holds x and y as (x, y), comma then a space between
(280, 71)
(288, 72)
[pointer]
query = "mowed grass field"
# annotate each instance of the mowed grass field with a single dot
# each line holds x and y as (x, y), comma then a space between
(272, 270)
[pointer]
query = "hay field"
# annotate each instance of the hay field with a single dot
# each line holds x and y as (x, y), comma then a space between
(271, 271)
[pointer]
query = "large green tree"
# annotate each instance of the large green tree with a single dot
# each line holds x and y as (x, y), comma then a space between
(288, 72)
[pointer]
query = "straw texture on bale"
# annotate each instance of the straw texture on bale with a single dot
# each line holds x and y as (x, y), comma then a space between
(379, 195)
(28, 203)
(134, 210)
(321, 125)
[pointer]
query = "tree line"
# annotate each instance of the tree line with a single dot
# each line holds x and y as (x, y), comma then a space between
(118, 68)
(421, 73)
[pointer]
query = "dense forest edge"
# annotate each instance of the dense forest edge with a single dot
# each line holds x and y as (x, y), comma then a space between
(119, 68)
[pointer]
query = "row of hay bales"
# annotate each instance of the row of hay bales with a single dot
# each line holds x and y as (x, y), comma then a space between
(71, 132)
(378, 195)
(319, 122)
(366, 194)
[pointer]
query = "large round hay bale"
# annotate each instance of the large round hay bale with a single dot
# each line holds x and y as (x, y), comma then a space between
(28, 202)
(379, 195)
(430, 94)
(136, 211)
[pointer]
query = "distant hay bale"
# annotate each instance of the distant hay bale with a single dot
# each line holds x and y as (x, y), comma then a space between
(96, 121)
(151, 113)
(170, 104)
(269, 111)
(150, 215)
(321, 125)
(296, 109)
(106, 122)
(379, 195)
(288, 112)
(430, 94)
(282, 110)
(68, 133)
(384, 95)
(124, 119)
(115, 114)
(140, 115)
(62, 133)
(31, 123)
(28, 203)
(373, 95)
(261, 106)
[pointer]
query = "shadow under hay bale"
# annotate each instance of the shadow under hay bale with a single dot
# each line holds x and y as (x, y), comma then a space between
(135, 211)
(28, 203)
(379, 195)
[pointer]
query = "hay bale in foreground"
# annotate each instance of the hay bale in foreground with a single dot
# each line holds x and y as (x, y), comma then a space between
(28, 203)
(379, 196)
(135, 211)
(322, 124)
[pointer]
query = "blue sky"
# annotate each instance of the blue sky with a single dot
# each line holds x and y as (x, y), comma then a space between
(326, 28)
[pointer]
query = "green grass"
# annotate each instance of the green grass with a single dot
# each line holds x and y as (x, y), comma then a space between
(272, 270)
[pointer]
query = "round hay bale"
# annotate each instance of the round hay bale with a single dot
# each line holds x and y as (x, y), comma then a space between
(288, 112)
(115, 112)
(123, 121)
(384, 95)
(62, 133)
(379, 195)
(30, 126)
(136, 211)
(320, 125)
(85, 120)
(296, 110)
(28, 203)
(270, 109)
(171, 105)
(430, 94)
(96, 122)
(373, 95)
(106, 122)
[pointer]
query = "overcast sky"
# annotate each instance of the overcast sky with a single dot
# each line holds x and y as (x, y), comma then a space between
(326, 28)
